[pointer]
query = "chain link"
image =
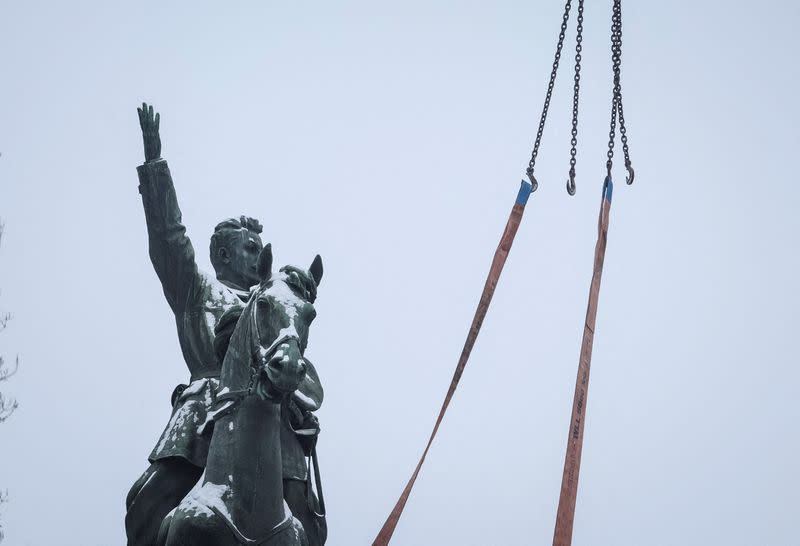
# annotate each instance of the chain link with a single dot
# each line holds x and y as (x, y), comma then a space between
(548, 96)
(615, 64)
(575, 96)
(617, 112)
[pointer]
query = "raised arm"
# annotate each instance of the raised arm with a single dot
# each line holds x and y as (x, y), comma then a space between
(171, 250)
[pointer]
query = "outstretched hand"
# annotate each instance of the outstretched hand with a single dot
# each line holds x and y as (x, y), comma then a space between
(152, 140)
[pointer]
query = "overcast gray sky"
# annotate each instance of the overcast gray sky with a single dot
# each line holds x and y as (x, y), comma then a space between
(390, 138)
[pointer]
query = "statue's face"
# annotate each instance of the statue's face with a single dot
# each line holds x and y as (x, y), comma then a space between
(239, 257)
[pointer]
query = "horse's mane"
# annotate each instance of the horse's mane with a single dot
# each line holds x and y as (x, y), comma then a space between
(300, 279)
(224, 331)
(233, 344)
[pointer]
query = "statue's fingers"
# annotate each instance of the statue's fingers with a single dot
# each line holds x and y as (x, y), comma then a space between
(150, 113)
(158, 120)
(141, 118)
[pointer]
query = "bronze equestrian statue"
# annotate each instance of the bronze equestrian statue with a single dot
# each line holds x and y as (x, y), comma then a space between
(240, 498)
(200, 302)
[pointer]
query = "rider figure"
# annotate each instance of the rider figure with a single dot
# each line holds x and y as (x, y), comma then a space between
(199, 301)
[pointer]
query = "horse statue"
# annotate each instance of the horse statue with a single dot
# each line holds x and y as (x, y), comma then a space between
(239, 499)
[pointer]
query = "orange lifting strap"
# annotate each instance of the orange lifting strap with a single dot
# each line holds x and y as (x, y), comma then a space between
(562, 535)
(499, 260)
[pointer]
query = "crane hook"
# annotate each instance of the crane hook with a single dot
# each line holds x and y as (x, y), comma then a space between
(534, 182)
(571, 182)
(631, 173)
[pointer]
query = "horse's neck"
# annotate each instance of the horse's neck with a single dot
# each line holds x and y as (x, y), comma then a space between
(236, 367)
(245, 454)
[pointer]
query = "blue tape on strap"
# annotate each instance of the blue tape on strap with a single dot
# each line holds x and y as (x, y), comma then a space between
(608, 188)
(524, 193)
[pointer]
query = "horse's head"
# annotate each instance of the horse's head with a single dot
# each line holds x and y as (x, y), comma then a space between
(283, 311)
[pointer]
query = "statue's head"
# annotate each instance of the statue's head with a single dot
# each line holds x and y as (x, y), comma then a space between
(235, 246)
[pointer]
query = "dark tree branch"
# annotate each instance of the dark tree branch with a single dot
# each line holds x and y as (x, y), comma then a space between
(7, 405)
(3, 500)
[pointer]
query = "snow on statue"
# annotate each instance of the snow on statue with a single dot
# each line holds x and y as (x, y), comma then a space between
(207, 310)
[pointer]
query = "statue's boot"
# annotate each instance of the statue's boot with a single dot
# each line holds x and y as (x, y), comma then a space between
(295, 495)
(158, 491)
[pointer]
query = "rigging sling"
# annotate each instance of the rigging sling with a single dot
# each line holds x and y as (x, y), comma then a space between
(565, 516)
(566, 509)
(499, 260)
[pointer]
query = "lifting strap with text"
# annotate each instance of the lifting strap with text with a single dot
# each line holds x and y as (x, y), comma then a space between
(562, 535)
(500, 255)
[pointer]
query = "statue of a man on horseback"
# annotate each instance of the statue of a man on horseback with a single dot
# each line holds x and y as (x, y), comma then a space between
(241, 498)
(207, 309)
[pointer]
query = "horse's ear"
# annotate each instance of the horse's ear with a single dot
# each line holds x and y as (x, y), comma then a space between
(316, 269)
(265, 263)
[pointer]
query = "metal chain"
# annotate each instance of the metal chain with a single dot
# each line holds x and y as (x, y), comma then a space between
(548, 96)
(615, 68)
(622, 131)
(616, 102)
(575, 96)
